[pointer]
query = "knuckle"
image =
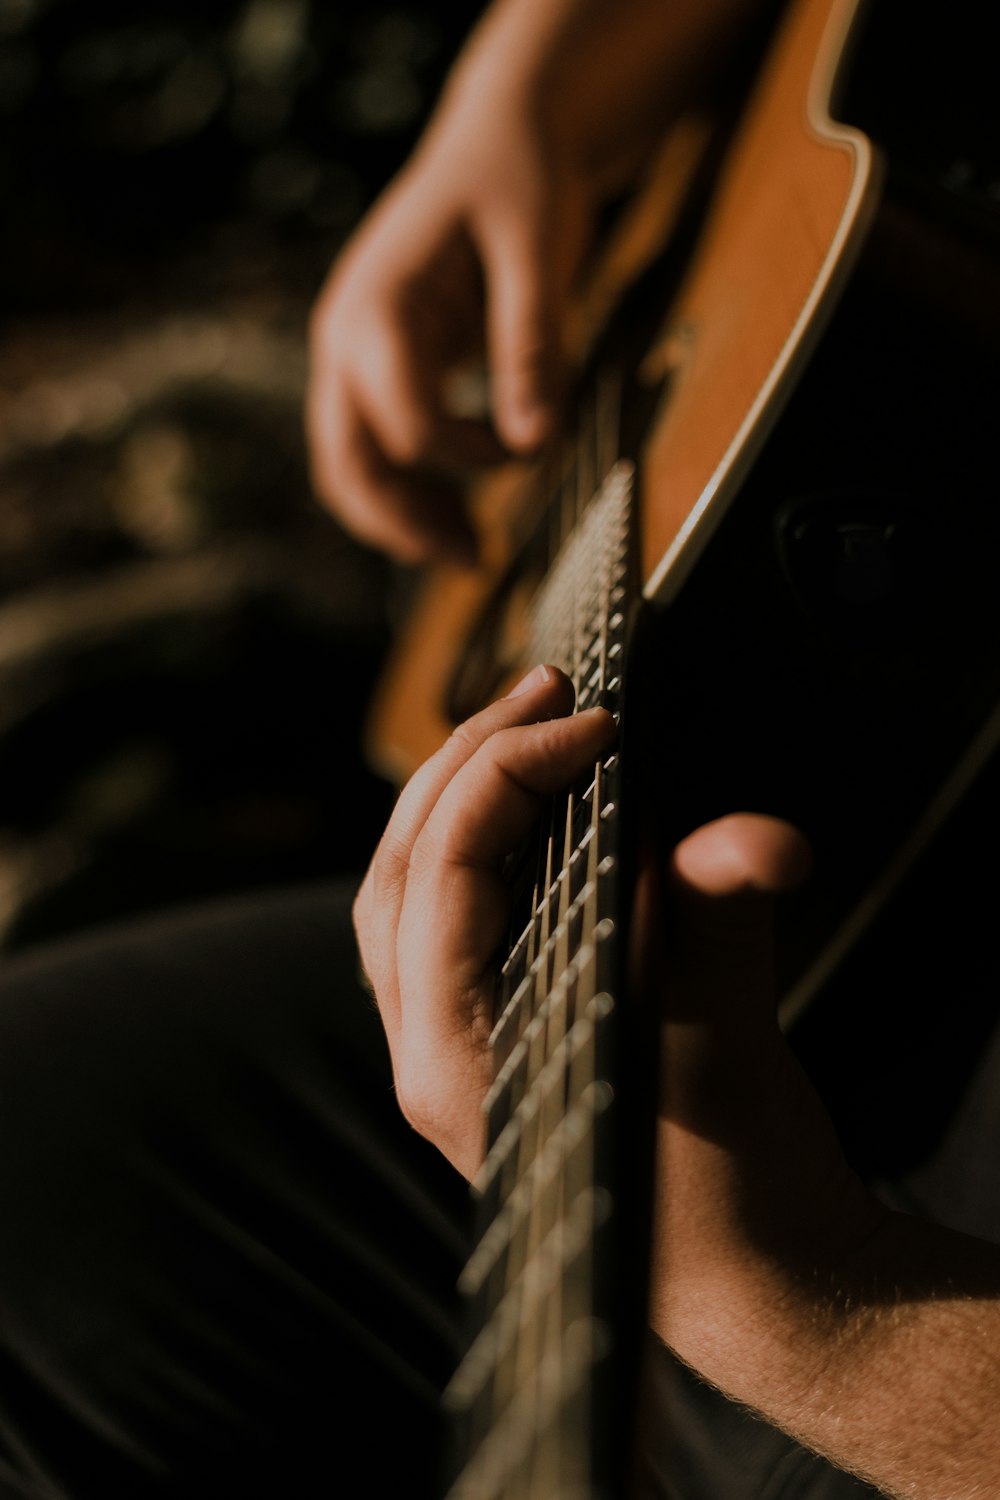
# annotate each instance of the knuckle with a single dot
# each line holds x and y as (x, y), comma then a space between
(388, 870)
(361, 909)
(464, 741)
(362, 930)
(537, 748)
(528, 350)
(328, 326)
(410, 434)
(426, 856)
(419, 1102)
(319, 323)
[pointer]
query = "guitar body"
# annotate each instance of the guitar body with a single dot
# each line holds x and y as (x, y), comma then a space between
(771, 521)
(788, 218)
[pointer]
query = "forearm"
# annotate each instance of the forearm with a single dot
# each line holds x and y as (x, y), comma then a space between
(872, 1337)
(910, 1384)
(601, 76)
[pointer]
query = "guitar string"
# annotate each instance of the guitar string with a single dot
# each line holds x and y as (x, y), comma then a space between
(588, 470)
(582, 1077)
(553, 1449)
(534, 1339)
(585, 490)
(577, 1298)
(585, 497)
(538, 994)
(558, 1458)
(549, 1209)
(505, 1384)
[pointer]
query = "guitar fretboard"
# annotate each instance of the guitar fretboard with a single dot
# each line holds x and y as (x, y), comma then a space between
(543, 1311)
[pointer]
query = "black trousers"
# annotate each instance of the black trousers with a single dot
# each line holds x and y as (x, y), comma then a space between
(225, 1260)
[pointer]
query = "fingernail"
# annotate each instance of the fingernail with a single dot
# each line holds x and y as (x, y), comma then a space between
(599, 714)
(535, 678)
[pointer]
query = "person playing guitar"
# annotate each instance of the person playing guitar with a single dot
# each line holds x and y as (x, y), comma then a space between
(228, 1261)
(869, 1335)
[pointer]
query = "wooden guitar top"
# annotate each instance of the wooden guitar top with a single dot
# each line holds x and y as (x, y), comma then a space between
(790, 211)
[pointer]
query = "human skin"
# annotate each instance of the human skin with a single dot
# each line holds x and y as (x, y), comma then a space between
(870, 1336)
(873, 1337)
(474, 249)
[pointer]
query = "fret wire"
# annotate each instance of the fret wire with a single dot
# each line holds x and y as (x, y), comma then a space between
(529, 1355)
(584, 494)
(523, 1295)
(540, 907)
(575, 1175)
(519, 948)
(573, 576)
(524, 1353)
(555, 545)
(555, 616)
(576, 1296)
(505, 1167)
(569, 1153)
(545, 1479)
(571, 581)
(555, 1072)
(499, 1153)
(507, 1257)
(580, 616)
(537, 1282)
(607, 567)
(562, 887)
(492, 1349)
(576, 1292)
(503, 1451)
(516, 973)
(543, 1238)
(540, 1034)
(509, 1060)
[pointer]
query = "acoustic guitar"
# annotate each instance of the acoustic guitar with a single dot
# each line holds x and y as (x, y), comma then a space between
(765, 541)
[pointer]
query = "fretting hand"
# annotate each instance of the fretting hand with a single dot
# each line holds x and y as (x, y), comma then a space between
(433, 907)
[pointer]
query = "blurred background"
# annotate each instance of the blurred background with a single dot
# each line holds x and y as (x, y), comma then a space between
(187, 642)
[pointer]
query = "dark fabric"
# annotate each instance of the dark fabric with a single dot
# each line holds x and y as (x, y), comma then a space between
(227, 1265)
(695, 1444)
(225, 1261)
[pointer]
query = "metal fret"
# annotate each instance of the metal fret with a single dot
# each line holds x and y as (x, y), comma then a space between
(509, 1443)
(532, 1097)
(559, 1067)
(525, 1383)
(511, 1049)
(531, 1286)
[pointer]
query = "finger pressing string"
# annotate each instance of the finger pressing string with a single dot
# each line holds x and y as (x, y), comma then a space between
(545, 691)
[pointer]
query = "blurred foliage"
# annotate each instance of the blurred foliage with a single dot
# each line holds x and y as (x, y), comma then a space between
(187, 640)
(222, 132)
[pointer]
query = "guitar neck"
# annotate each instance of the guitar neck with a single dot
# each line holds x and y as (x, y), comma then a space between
(543, 1301)
(715, 333)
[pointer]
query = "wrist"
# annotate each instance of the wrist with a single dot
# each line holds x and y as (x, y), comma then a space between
(599, 80)
(786, 1332)
(761, 1223)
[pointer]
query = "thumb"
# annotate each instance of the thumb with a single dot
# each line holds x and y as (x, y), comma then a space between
(723, 879)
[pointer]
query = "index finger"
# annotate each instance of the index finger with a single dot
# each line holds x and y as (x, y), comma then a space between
(399, 510)
(545, 692)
